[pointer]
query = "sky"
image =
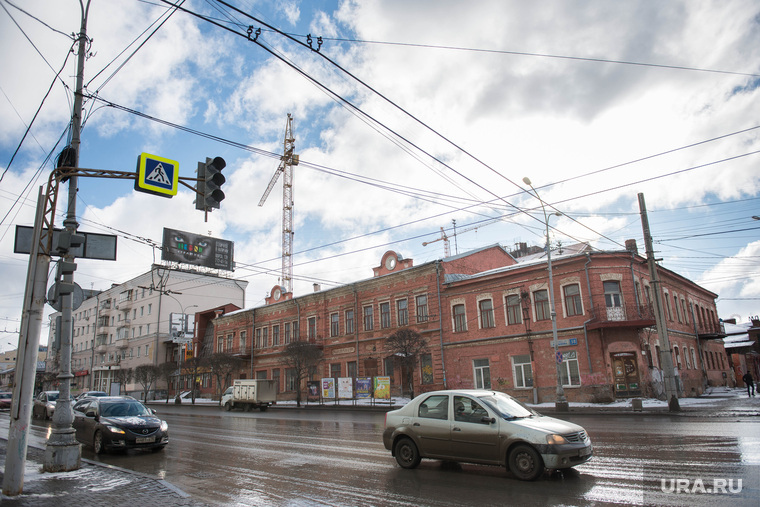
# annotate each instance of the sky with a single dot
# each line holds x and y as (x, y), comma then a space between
(408, 117)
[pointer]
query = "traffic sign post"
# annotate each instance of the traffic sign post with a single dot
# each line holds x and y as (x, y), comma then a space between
(157, 175)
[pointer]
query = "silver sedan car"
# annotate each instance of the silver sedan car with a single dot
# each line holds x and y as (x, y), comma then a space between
(484, 427)
(44, 404)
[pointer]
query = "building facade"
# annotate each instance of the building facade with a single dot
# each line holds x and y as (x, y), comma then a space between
(486, 318)
(130, 324)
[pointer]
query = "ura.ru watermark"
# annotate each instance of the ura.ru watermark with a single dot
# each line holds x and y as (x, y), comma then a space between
(707, 486)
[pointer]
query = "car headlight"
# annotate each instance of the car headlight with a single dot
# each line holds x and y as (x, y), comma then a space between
(164, 426)
(555, 439)
(115, 429)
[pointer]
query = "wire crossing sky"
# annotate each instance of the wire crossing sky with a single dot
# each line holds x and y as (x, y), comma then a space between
(408, 117)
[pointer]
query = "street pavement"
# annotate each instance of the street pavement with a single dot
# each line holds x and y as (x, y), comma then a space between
(97, 484)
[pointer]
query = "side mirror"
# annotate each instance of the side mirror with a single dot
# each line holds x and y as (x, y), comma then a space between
(153, 411)
(487, 420)
(91, 413)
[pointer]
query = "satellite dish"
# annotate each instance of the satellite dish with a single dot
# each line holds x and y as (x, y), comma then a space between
(54, 299)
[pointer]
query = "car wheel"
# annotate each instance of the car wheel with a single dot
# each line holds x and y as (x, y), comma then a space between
(263, 408)
(525, 463)
(97, 443)
(407, 455)
(228, 406)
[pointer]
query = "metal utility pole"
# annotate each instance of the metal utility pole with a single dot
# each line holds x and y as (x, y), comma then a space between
(561, 404)
(62, 452)
(666, 357)
(287, 161)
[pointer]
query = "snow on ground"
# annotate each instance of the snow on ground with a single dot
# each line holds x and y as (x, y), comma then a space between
(709, 397)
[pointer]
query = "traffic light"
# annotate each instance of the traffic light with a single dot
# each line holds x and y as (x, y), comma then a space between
(210, 180)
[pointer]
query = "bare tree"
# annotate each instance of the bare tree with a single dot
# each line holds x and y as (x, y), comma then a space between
(194, 367)
(166, 371)
(123, 376)
(146, 375)
(407, 345)
(301, 358)
(222, 366)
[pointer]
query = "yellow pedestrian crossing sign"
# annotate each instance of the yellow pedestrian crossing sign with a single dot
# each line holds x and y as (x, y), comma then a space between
(157, 175)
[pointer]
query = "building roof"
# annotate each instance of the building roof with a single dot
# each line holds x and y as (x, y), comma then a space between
(565, 252)
(737, 335)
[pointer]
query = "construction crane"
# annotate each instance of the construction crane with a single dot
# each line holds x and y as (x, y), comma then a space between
(287, 162)
(446, 246)
(445, 238)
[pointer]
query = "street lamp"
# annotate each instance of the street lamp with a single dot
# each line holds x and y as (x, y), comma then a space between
(561, 403)
(181, 342)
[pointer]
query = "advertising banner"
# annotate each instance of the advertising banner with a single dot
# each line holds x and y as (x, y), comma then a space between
(363, 387)
(328, 388)
(383, 388)
(312, 390)
(345, 388)
(196, 249)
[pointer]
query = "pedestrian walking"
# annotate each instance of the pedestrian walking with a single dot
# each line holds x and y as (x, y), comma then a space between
(750, 383)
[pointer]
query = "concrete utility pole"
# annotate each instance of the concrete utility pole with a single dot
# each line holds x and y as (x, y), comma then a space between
(26, 358)
(666, 357)
(62, 452)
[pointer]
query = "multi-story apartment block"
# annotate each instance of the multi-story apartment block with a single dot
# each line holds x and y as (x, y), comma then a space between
(129, 324)
(486, 317)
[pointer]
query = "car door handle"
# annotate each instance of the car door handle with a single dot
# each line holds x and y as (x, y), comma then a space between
(416, 424)
(456, 428)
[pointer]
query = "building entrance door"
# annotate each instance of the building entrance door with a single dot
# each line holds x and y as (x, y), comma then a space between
(626, 371)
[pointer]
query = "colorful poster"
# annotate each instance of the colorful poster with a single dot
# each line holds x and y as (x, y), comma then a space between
(312, 389)
(363, 387)
(383, 388)
(345, 388)
(328, 388)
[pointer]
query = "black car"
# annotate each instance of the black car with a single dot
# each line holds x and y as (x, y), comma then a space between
(91, 394)
(118, 422)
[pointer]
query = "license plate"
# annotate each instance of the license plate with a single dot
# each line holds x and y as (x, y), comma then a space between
(145, 440)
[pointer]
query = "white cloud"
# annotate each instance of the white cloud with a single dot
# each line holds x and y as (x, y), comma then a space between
(552, 119)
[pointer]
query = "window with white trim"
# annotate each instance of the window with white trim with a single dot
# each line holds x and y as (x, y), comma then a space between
(522, 371)
(569, 369)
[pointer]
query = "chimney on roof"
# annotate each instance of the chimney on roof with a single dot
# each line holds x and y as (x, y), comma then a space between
(630, 245)
(317, 287)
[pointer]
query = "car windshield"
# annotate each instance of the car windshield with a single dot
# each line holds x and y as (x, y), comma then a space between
(123, 409)
(507, 407)
(52, 396)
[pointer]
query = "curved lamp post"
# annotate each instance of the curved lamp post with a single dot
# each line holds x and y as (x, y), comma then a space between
(561, 403)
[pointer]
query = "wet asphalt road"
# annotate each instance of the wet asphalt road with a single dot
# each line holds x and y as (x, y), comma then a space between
(336, 457)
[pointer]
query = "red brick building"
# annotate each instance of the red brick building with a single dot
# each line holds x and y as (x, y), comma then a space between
(486, 318)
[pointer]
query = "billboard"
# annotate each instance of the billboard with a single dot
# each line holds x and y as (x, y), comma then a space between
(189, 248)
